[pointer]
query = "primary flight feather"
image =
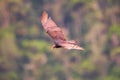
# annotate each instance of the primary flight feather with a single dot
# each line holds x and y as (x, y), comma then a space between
(56, 34)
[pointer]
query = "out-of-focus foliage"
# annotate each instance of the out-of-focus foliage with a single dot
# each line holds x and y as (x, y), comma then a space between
(25, 48)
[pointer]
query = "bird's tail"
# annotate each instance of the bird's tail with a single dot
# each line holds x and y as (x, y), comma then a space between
(44, 17)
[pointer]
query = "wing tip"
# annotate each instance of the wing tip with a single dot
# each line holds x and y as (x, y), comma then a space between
(74, 47)
(44, 17)
(80, 48)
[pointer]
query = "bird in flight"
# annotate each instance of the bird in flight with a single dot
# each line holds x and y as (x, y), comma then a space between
(56, 34)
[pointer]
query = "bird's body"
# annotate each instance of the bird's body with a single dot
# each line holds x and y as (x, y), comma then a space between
(56, 34)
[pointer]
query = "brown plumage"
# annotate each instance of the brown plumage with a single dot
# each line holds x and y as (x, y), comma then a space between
(56, 34)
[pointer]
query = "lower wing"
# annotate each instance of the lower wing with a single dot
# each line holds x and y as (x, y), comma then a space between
(71, 46)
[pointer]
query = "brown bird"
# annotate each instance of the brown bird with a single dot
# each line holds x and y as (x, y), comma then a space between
(56, 34)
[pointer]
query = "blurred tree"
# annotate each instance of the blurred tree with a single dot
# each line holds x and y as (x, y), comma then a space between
(25, 52)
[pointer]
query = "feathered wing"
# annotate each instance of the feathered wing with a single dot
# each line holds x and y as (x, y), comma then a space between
(44, 18)
(70, 45)
(51, 28)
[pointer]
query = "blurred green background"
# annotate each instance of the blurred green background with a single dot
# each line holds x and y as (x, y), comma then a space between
(25, 48)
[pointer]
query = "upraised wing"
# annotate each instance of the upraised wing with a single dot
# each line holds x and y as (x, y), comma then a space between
(51, 28)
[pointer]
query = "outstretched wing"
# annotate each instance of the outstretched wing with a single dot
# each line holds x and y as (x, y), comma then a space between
(69, 45)
(51, 28)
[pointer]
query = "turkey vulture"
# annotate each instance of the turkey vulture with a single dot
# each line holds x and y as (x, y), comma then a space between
(56, 34)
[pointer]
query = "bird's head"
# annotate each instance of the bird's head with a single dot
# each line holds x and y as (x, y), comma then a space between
(56, 46)
(53, 46)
